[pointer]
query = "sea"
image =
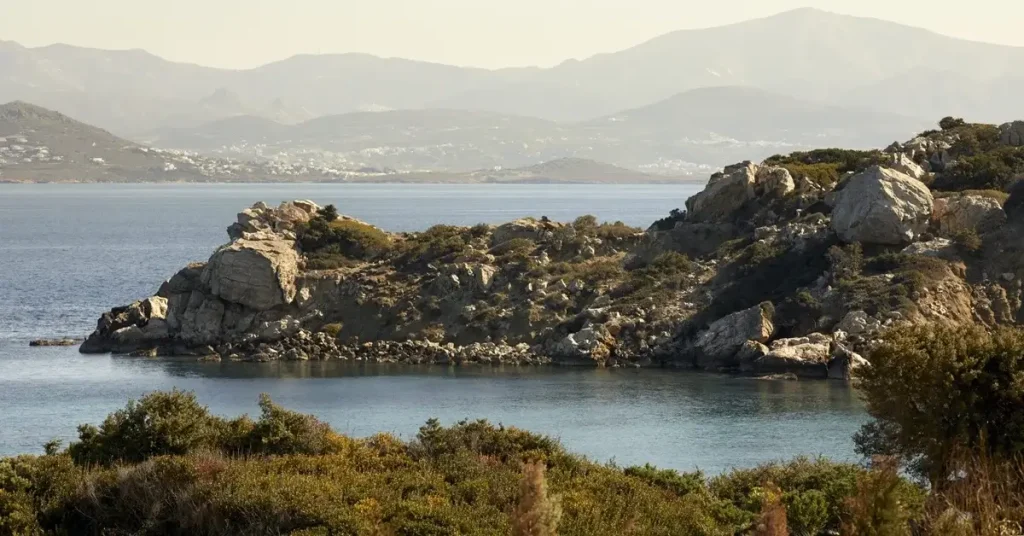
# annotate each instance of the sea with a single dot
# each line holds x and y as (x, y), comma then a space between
(69, 252)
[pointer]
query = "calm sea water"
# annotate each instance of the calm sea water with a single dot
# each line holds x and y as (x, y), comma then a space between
(69, 252)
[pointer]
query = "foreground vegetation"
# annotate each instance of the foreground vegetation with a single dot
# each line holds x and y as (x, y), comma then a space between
(947, 404)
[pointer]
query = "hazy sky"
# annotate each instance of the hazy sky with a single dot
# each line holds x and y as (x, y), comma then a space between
(486, 33)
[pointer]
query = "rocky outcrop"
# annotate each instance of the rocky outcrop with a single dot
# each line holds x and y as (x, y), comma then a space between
(1012, 134)
(528, 228)
(774, 181)
(260, 221)
(534, 291)
(814, 356)
(882, 206)
(962, 213)
(719, 344)
(54, 342)
(258, 274)
(942, 248)
(725, 193)
(905, 165)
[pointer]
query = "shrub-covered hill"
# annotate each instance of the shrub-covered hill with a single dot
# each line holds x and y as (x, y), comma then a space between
(946, 403)
(795, 265)
(164, 465)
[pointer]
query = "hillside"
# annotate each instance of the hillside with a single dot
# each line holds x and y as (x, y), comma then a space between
(691, 132)
(804, 53)
(41, 145)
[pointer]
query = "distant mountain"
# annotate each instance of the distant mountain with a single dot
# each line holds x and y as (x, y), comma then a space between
(806, 54)
(41, 145)
(693, 132)
(803, 53)
(755, 116)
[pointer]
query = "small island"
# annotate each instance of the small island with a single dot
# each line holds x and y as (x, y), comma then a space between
(792, 266)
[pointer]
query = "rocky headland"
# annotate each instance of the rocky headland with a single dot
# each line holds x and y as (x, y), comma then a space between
(791, 266)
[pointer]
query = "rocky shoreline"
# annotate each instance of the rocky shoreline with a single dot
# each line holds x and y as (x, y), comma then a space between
(790, 267)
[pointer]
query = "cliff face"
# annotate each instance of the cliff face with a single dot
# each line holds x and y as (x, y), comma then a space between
(792, 266)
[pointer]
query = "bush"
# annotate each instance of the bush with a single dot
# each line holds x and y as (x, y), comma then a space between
(950, 123)
(678, 483)
(471, 478)
(516, 246)
(174, 423)
(436, 242)
(834, 482)
(997, 169)
(669, 222)
(934, 391)
(347, 238)
(158, 424)
(968, 241)
(884, 504)
(280, 431)
(585, 224)
(826, 166)
(616, 231)
(332, 329)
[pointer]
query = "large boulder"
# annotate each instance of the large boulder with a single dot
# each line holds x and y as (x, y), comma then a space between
(1012, 134)
(774, 181)
(722, 341)
(968, 213)
(904, 164)
(940, 248)
(260, 220)
(882, 206)
(528, 228)
(259, 274)
(202, 320)
(725, 193)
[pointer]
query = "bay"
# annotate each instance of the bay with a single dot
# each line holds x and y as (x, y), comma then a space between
(69, 252)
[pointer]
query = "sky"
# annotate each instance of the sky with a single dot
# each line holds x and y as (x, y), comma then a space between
(481, 33)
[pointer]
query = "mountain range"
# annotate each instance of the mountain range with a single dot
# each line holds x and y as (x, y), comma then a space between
(683, 102)
(806, 53)
(40, 145)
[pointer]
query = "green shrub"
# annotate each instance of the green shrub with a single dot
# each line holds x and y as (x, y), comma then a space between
(173, 423)
(669, 222)
(280, 431)
(997, 169)
(968, 241)
(158, 424)
(332, 329)
(437, 242)
(480, 230)
(616, 231)
(826, 166)
(585, 224)
(934, 391)
(950, 123)
(806, 512)
(516, 246)
(287, 473)
(833, 481)
(347, 238)
(667, 479)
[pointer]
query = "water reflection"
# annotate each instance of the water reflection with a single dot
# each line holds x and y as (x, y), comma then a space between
(671, 418)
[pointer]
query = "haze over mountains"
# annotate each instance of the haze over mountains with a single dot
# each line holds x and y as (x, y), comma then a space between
(678, 103)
